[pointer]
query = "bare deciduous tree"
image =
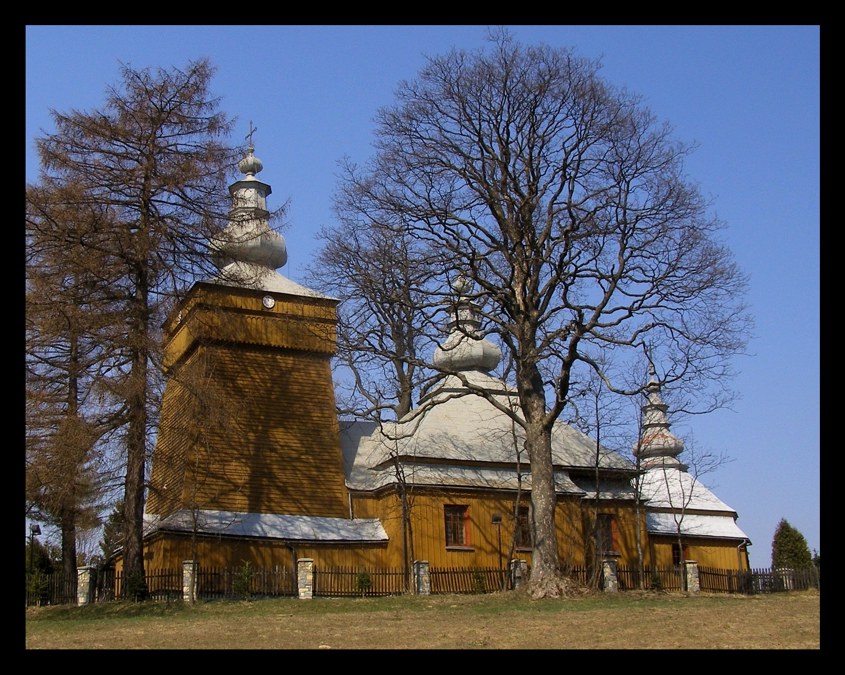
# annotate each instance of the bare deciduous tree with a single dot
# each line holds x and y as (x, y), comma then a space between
(380, 276)
(564, 201)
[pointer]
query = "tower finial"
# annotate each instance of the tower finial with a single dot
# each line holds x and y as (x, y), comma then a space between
(657, 445)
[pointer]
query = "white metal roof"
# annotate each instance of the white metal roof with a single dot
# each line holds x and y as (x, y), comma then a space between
(271, 526)
(463, 427)
(456, 476)
(694, 525)
(671, 487)
(448, 439)
(262, 279)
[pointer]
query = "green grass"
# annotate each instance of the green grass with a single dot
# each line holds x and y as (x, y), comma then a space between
(498, 620)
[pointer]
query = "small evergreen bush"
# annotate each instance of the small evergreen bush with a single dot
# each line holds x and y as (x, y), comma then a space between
(363, 582)
(242, 581)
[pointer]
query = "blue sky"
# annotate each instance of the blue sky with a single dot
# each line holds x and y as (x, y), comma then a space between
(748, 95)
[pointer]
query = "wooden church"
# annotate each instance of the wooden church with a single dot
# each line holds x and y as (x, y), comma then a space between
(253, 465)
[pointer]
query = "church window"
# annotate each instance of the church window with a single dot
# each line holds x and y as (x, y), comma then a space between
(679, 556)
(522, 530)
(457, 525)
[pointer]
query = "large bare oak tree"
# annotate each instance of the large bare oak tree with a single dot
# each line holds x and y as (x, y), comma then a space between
(564, 201)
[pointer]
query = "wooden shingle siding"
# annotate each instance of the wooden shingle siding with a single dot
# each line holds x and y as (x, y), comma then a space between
(280, 452)
(248, 420)
(168, 469)
(227, 314)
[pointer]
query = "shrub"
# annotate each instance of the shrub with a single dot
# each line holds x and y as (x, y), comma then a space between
(136, 587)
(242, 581)
(363, 582)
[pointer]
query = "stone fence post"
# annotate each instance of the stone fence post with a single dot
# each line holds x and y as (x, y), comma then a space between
(86, 581)
(609, 580)
(305, 578)
(422, 577)
(519, 572)
(691, 571)
(189, 580)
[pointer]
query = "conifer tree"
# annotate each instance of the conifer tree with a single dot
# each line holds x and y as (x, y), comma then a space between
(789, 548)
(141, 186)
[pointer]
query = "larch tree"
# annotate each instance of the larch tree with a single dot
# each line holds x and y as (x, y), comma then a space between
(563, 201)
(68, 413)
(154, 163)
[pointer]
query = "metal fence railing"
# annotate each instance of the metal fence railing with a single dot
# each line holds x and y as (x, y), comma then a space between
(248, 582)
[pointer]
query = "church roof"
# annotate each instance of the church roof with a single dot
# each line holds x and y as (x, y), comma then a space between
(673, 495)
(270, 526)
(262, 279)
(464, 427)
(672, 487)
(694, 525)
(458, 436)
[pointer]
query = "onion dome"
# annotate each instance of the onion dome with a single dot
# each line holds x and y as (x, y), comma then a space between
(249, 239)
(464, 349)
(251, 165)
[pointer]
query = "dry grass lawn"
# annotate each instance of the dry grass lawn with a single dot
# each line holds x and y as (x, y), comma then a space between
(496, 621)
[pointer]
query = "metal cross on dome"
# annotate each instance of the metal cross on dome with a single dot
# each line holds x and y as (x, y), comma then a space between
(252, 130)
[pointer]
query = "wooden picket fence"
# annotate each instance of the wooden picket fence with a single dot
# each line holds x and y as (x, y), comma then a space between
(245, 582)
(629, 578)
(759, 580)
(469, 579)
(336, 582)
(50, 589)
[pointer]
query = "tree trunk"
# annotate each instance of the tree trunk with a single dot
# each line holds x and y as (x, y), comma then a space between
(133, 556)
(545, 565)
(546, 579)
(68, 525)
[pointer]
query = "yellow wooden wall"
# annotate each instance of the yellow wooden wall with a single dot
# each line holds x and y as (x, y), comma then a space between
(167, 476)
(248, 419)
(574, 529)
(572, 519)
(224, 313)
(706, 552)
